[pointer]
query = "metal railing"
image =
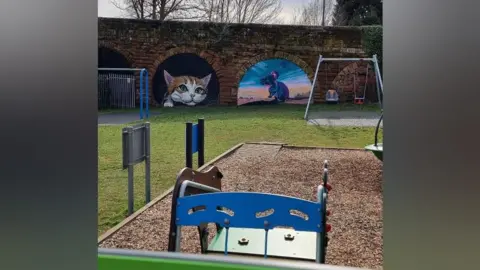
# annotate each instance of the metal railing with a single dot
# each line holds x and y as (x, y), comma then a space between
(117, 89)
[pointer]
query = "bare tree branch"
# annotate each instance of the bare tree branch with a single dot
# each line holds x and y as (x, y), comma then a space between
(312, 12)
(224, 11)
(155, 9)
(239, 11)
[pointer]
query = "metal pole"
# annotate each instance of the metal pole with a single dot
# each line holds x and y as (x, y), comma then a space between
(131, 93)
(379, 81)
(378, 88)
(130, 171)
(378, 71)
(313, 87)
(201, 142)
(188, 145)
(147, 163)
(323, 12)
(376, 129)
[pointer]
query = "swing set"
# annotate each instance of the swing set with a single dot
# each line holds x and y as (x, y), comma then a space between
(332, 96)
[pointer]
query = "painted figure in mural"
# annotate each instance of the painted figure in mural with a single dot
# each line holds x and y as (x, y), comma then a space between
(277, 89)
(274, 81)
(188, 90)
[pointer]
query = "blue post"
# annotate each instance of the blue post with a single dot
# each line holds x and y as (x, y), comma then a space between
(141, 93)
(189, 145)
(147, 110)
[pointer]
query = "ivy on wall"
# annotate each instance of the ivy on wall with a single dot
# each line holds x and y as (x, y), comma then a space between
(372, 41)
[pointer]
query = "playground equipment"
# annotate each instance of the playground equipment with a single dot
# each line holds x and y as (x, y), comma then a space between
(358, 98)
(376, 148)
(331, 97)
(249, 224)
(211, 178)
(117, 89)
(378, 77)
(120, 259)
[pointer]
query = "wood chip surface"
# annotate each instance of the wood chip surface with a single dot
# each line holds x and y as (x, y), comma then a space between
(355, 200)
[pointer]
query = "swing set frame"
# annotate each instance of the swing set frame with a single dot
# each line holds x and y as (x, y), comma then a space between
(376, 68)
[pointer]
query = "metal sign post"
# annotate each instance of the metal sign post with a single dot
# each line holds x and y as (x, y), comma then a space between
(136, 149)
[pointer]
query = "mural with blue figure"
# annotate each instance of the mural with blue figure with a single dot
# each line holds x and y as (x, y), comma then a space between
(276, 89)
(274, 81)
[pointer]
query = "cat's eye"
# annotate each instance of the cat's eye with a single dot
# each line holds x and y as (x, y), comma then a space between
(199, 90)
(182, 88)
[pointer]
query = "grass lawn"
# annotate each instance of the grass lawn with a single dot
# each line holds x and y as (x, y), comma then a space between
(224, 128)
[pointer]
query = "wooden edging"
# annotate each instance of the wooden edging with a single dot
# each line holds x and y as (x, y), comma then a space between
(285, 145)
(323, 147)
(133, 216)
(267, 143)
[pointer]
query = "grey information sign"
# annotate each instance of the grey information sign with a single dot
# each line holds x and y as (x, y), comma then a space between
(136, 149)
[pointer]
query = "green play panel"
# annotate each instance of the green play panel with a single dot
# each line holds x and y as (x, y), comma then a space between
(285, 243)
(377, 150)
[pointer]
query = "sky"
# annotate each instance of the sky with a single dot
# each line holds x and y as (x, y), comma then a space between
(107, 9)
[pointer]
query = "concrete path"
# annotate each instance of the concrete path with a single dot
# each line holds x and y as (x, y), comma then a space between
(344, 118)
(109, 119)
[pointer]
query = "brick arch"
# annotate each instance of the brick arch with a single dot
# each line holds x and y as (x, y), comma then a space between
(261, 57)
(212, 58)
(124, 52)
(345, 74)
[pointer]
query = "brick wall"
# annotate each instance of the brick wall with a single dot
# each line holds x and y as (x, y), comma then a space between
(231, 49)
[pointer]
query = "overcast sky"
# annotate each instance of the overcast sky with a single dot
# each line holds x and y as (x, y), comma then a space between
(107, 9)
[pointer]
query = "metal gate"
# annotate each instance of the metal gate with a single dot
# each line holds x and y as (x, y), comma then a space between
(116, 91)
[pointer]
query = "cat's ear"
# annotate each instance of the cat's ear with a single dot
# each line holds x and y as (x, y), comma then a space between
(168, 77)
(206, 79)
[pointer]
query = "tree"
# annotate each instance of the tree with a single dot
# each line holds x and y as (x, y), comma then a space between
(315, 12)
(156, 9)
(358, 12)
(239, 11)
(226, 11)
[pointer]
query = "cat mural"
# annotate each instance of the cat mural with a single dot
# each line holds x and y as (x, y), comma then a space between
(188, 90)
(278, 90)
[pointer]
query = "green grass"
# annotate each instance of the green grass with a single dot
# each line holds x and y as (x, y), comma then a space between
(225, 127)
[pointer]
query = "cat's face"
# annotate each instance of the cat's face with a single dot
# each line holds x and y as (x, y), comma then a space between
(188, 90)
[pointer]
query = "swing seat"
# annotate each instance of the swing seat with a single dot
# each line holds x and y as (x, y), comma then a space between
(332, 97)
(359, 101)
